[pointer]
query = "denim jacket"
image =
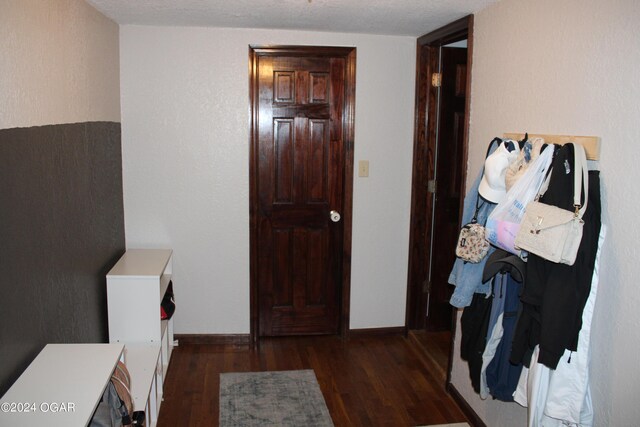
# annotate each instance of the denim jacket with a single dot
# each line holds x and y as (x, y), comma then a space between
(467, 276)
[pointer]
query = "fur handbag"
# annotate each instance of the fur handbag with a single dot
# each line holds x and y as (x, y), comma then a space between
(551, 232)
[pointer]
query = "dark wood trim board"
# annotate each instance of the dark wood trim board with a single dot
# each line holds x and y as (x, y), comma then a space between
(473, 417)
(369, 332)
(213, 339)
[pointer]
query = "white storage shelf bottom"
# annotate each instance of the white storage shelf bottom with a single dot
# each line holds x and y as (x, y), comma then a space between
(73, 375)
(144, 365)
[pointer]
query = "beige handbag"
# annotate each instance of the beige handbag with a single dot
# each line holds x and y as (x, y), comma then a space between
(551, 232)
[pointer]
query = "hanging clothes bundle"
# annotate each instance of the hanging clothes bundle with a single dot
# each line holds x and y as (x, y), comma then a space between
(487, 190)
(496, 375)
(562, 396)
(555, 294)
(526, 320)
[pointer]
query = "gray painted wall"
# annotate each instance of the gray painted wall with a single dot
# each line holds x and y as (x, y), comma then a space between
(61, 230)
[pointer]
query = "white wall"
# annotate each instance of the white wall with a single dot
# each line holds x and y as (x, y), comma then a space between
(185, 122)
(59, 64)
(571, 67)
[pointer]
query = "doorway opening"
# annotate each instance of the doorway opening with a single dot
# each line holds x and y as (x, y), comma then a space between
(443, 81)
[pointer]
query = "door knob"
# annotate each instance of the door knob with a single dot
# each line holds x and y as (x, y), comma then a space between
(335, 216)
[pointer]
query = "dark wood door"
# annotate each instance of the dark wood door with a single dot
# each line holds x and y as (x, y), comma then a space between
(300, 179)
(450, 140)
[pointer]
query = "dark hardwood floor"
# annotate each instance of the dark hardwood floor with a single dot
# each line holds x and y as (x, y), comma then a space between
(366, 381)
(434, 348)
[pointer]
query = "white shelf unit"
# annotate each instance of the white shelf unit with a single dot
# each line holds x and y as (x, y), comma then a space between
(135, 287)
(145, 367)
(73, 375)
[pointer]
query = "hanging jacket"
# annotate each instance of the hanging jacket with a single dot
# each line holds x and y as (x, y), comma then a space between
(562, 397)
(467, 276)
(507, 272)
(474, 324)
(502, 375)
(495, 330)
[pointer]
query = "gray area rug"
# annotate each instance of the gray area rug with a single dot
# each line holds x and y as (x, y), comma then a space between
(282, 398)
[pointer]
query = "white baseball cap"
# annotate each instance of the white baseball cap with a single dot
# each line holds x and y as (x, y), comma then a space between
(492, 186)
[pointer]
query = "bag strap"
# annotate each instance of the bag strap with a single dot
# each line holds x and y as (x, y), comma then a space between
(580, 178)
(123, 385)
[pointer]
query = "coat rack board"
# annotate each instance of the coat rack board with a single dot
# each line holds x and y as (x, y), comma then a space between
(591, 144)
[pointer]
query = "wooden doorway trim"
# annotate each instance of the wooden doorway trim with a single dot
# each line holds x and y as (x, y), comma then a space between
(348, 126)
(424, 147)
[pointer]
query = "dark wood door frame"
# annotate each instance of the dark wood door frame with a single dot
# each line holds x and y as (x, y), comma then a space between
(348, 124)
(423, 156)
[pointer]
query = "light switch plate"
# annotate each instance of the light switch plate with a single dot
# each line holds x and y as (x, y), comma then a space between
(363, 168)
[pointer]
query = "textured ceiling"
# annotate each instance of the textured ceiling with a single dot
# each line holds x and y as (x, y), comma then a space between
(393, 17)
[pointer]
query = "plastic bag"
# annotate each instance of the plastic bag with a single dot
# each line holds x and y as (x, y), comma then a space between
(504, 222)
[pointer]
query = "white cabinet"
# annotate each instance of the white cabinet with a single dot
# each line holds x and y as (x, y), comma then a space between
(61, 387)
(145, 367)
(135, 287)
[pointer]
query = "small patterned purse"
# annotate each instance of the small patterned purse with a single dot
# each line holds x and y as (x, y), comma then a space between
(472, 246)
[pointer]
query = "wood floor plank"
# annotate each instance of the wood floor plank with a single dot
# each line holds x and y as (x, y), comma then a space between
(366, 381)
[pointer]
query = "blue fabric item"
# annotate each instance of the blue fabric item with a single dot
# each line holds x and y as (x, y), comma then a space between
(467, 276)
(502, 376)
(499, 297)
(494, 331)
(527, 151)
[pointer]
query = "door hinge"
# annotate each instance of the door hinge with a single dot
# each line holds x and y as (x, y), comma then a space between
(436, 79)
(426, 286)
(431, 186)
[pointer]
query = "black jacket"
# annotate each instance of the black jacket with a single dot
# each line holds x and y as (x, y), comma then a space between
(554, 295)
